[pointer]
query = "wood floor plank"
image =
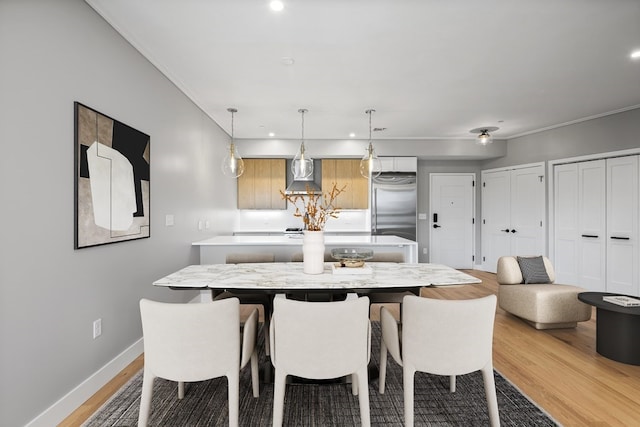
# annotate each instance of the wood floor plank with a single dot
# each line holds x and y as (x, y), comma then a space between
(559, 370)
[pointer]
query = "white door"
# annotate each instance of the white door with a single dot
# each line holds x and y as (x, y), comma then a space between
(592, 225)
(496, 218)
(622, 225)
(565, 220)
(527, 211)
(513, 213)
(451, 232)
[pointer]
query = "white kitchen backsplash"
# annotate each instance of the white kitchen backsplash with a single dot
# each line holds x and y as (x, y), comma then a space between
(260, 220)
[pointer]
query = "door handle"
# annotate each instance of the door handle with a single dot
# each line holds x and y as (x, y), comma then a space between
(620, 238)
(506, 230)
(513, 231)
(593, 236)
(436, 226)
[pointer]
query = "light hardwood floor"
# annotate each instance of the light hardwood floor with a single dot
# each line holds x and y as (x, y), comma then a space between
(558, 369)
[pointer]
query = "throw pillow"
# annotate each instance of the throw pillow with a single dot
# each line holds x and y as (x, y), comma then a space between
(533, 270)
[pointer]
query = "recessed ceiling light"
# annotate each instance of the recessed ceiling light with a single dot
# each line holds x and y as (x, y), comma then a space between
(635, 54)
(276, 5)
(272, 134)
(352, 135)
(287, 60)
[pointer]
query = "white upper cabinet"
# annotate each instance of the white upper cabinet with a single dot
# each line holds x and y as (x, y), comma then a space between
(399, 164)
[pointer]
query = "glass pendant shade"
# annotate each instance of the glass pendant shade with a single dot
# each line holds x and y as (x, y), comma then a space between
(370, 165)
(232, 164)
(484, 138)
(302, 165)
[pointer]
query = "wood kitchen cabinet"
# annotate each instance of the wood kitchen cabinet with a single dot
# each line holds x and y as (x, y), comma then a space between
(346, 172)
(260, 184)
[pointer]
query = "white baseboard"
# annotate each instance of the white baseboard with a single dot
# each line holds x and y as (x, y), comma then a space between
(71, 401)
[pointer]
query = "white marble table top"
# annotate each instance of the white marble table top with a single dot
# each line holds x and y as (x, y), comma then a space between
(289, 276)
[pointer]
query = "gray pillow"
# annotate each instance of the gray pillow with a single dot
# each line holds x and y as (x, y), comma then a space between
(533, 270)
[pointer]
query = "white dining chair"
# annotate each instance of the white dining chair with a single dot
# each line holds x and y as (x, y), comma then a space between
(441, 337)
(196, 342)
(251, 298)
(321, 340)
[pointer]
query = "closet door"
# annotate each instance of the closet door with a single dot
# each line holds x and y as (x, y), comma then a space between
(527, 211)
(592, 224)
(622, 225)
(565, 220)
(496, 218)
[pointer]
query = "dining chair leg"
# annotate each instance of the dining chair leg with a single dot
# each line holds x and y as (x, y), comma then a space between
(382, 375)
(354, 384)
(490, 392)
(279, 384)
(363, 397)
(452, 383)
(407, 380)
(267, 325)
(180, 389)
(233, 379)
(145, 400)
(255, 374)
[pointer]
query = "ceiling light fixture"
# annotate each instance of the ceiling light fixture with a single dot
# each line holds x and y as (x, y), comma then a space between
(370, 165)
(276, 5)
(635, 54)
(302, 165)
(484, 137)
(232, 165)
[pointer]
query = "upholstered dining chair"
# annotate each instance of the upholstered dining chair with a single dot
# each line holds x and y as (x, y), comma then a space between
(441, 337)
(321, 340)
(388, 297)
(252, 298)
(196, 342)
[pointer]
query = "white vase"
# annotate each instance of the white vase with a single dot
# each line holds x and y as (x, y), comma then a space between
(313, 252)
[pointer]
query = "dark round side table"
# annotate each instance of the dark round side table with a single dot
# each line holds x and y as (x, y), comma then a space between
(617, 328)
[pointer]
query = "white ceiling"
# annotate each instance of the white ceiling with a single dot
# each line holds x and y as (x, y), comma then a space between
(430, 68)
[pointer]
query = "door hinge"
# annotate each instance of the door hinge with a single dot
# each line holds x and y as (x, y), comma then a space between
(540, 223)
(483, 259)
(473, 220)
(484, 184)
(473, 257)
(540, 177)
(473, 183)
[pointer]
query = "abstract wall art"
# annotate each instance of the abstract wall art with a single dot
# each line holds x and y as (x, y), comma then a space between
(112, 180)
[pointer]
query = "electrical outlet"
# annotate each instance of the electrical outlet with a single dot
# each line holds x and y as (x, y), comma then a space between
(168, 220)
(97, 328)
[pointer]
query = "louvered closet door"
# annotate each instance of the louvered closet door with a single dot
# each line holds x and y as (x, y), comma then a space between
(592, 225)
(622, 225)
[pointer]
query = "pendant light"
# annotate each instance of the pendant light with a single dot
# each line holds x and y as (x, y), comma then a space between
(370, 165)
(302, 165)
(232, 165)
(484, 137)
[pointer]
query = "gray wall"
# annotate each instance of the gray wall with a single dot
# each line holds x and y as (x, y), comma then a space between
(610, 133)
(55, 53)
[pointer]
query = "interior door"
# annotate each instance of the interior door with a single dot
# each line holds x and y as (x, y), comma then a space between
(496, 217)
(451, 232)
(527, 211)
(622, 225)
(592, 224)
(565, 220)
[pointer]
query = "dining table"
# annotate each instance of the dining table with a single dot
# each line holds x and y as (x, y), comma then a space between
(289, 278)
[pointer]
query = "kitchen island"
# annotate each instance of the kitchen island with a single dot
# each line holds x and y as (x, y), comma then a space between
(284, 247)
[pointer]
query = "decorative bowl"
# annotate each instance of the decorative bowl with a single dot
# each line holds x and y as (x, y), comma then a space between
(351, 257)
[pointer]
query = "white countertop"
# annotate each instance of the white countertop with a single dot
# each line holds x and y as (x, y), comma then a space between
(296, 240)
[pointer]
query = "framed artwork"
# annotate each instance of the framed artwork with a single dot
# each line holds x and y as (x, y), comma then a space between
(112, 180)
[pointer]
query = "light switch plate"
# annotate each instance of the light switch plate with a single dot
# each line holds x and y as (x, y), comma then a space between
(168, 220)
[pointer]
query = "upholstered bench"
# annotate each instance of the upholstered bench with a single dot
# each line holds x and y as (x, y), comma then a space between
(542, 305)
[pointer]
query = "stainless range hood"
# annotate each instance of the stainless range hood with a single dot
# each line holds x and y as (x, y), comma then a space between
(299, 186)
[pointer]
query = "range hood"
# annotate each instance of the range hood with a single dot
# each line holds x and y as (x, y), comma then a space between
(299, 186)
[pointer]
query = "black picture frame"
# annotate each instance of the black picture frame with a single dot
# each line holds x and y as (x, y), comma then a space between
(112, 182)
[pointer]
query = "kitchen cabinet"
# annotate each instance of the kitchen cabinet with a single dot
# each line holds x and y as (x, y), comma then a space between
(399, 164)
(260, 184)
(346, 172)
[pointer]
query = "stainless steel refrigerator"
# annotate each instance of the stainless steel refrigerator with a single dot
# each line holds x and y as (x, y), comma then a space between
(394, 198)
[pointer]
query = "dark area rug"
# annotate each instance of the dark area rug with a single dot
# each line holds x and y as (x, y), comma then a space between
(205, 403)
